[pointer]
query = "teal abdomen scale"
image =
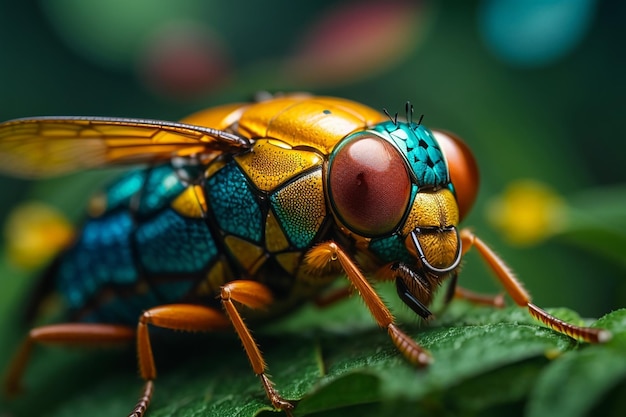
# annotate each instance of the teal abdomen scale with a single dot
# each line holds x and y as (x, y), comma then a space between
(164, 239)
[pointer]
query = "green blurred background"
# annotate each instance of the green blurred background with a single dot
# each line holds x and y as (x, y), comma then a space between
(534, 87)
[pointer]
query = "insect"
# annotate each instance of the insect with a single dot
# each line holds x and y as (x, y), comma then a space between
(247, 210)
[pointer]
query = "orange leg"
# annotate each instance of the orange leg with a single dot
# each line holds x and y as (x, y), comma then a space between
(198, 318)
(185, 317)
(65, 334)
(319, 257)
(496, 301)
(336, 295)
(455, 291)
(522, 298)
(253, 295)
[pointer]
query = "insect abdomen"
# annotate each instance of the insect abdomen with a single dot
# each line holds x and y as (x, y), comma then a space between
(159, 240)
(138, 252)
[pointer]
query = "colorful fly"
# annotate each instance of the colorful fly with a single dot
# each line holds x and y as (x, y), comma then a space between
(248, 210)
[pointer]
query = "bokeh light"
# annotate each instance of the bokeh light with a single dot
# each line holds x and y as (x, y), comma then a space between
(183, 60)
(533, 33)
(111, 33)
(169, 45)
(354, 40)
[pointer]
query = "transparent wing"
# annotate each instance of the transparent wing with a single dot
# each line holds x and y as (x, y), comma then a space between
(47, 146)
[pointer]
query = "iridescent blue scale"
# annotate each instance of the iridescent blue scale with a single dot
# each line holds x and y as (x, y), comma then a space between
(234, 205)
(142, 252)
(132, 248)
(190, 246)
(391, 249)
(120, 192)
(102, 256)
(122, 309)
(162, 184)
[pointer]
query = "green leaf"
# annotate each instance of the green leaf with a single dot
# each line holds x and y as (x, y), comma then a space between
(572, 385)
(485, 359)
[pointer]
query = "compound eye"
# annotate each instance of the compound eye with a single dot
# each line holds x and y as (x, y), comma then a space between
(463, 169)
(369, 185)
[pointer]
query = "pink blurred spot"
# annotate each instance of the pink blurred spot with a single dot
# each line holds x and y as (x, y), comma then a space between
(183, 61)
(357, 39)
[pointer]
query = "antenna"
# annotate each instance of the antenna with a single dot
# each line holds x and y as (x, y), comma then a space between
(394, 119)
(408, 108)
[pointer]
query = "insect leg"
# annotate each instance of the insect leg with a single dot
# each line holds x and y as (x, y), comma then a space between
(184, 317)
(65, 334)
(324, 253)
(254, 295)
(330, 298)
(496, 301)
(522, 298)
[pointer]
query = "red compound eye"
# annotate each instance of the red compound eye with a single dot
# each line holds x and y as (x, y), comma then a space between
(369, 185)
(463, 169)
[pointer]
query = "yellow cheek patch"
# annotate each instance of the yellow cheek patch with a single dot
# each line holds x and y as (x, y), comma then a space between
(432, 209)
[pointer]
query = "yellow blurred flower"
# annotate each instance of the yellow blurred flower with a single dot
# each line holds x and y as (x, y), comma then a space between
(34, 233)
(527, 212)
